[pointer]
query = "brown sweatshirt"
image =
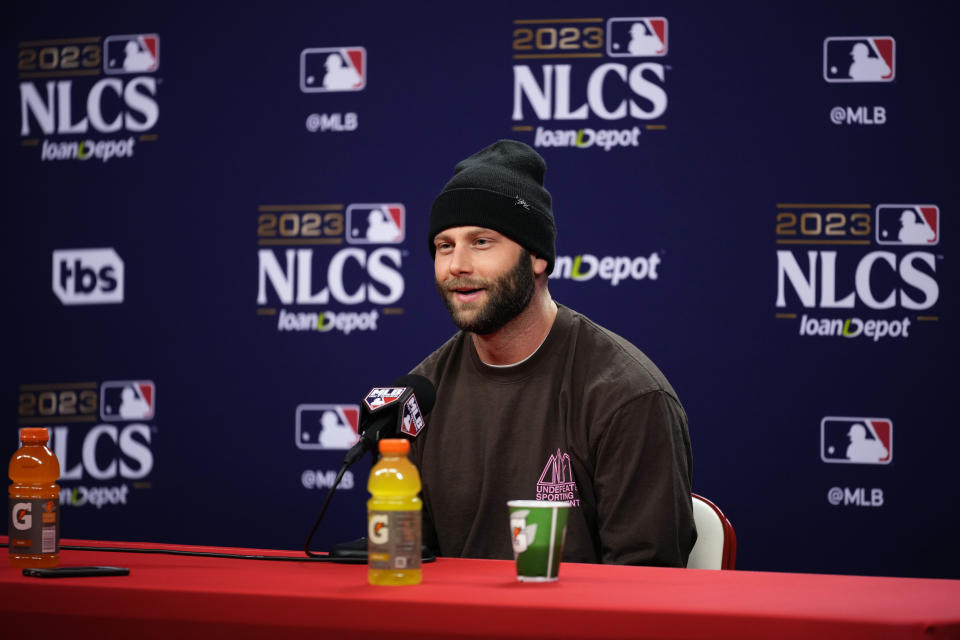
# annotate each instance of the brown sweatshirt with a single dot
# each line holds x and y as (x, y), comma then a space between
(587, 418)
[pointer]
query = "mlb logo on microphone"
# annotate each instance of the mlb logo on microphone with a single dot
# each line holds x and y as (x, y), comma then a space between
(856, 440)
(127, 400)
(637, 37)
(333, 69)
(908, 224)
(376, 223)
(382, 396)
(327, 426)
(412, 422)
(137, 53)
(859, 59)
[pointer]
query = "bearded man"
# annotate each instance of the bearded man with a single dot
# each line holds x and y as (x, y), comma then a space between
(534, 400)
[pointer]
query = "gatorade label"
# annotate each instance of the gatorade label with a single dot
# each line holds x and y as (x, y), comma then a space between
(34, 525)
(393, 540)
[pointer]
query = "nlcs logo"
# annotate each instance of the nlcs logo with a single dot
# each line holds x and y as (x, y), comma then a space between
(106, 452)
(333, 69)
(856, 440)
(859, 59)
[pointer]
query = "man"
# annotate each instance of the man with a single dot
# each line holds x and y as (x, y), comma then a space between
(535, 401)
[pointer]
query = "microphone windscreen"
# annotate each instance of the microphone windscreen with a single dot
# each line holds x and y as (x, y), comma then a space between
(422, 388)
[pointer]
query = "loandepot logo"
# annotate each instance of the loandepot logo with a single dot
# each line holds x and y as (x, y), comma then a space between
(605, 139)
(98, 497)
(102, 150)
(326, 321)
(586, 266)
(855, 327)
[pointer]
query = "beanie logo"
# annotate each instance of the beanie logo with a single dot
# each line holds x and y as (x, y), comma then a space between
(520, 202)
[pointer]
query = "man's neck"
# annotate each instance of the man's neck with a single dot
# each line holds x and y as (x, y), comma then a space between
(520, 337)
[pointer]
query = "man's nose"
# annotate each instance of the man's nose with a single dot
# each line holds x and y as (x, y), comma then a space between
(460, 261)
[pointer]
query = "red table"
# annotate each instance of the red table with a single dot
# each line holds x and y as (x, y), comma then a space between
(166, 596)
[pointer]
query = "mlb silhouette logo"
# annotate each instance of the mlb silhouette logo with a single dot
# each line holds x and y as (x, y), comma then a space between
(636, 37)
(908, 224)
(859, 59)
(327, 426)
(376, 223)
(127, 400)
(333, 69)
(856, 440)
(136, 53)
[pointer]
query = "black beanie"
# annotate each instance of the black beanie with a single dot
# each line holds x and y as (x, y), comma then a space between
(500, 188)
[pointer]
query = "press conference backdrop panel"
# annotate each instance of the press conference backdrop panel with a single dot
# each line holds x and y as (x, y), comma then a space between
(216, 227)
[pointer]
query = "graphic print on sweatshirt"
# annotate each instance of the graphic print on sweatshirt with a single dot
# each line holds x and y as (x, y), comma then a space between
(556, 482)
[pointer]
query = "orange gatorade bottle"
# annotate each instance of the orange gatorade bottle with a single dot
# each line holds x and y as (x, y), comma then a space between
(393, 517)
(34, 507)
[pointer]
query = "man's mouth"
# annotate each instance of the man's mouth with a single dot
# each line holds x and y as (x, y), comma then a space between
(466, 294)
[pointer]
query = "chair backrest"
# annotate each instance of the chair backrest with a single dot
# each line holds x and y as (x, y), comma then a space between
(716, 546)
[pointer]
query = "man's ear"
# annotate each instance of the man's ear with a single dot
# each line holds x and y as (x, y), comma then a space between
(539, 265)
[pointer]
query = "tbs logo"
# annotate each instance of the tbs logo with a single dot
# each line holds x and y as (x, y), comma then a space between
(859, 59)
(856, 440)
(636, 37)
(910, 224)
(127, 400)
(88, 276)
(376, 223)
(139, 53)
(327, 426)
(333, 69)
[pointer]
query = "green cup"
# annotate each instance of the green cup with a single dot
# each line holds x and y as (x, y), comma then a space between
(537, 531)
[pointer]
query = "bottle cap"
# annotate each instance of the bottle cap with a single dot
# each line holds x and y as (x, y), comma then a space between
(395, 445)
(34, 434)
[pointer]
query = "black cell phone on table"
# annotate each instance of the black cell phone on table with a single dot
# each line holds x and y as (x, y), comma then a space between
(76, 572)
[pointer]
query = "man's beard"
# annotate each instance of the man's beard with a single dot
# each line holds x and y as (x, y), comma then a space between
(507, 296)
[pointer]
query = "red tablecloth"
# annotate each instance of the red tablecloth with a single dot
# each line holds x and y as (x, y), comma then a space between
(165, 596)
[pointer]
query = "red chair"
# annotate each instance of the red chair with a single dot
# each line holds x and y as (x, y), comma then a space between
(716, 546)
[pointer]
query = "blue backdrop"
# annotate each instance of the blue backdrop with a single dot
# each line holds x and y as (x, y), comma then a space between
(755, 194)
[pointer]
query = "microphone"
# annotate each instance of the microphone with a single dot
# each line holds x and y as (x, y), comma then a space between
(387, 412)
